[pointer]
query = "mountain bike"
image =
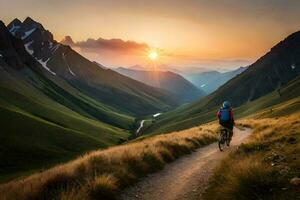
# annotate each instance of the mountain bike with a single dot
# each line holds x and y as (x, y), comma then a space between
(224, 138)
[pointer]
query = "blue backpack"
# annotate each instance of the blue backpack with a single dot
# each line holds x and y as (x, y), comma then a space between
(224, 114)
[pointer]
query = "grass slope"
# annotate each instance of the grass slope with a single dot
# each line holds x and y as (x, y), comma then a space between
(109, 87)
(273, 70)
(46, 119)
(266, 166)
(101, 174)
(37, 132)
(189, 115)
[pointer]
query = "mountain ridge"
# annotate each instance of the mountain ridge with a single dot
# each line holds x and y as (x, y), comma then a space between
(63, 61)
(174, 83)
(272, 71)
(210, 81)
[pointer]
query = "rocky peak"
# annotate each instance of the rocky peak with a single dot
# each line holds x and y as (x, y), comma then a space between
(29, 30)
(30, 23)
(14, 23)
(5, 39)
(68, 41)
(34, 36)
(12, 49)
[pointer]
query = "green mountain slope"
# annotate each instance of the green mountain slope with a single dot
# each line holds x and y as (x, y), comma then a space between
(272, 71)
(183, 117)
(106, 86)
(36, 134)
(48, 117)
(43, 119)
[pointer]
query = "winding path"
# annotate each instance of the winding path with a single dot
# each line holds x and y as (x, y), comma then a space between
(186, 178)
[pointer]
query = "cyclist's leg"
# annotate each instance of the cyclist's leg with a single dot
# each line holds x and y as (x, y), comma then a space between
(230, 127)
(230, 135)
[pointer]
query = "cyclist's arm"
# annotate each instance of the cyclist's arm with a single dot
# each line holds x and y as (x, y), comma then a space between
(231, 116)
(218, 114)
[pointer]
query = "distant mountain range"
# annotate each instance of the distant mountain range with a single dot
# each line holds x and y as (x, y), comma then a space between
(209, 81)
(269, 73)
(184, 90)
(205, 79)
(175, 69)
(273, 70)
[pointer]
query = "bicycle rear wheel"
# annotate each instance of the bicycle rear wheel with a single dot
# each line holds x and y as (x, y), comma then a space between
(222, 140)
(221, 145)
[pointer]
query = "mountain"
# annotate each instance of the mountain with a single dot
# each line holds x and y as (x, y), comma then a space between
(41, 122)
(174, 83)
(104, 85)
(279, 66)
(204, 79)
(55, 104)
(164, 67)
(210, 81)
(68, 41)
(269, 73)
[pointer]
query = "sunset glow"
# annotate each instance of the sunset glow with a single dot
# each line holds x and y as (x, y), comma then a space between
(153, 55)
(214, 34)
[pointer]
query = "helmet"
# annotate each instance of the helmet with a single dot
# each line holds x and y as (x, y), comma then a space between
(226, 104)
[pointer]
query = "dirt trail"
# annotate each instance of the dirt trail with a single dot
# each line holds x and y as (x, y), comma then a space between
(186, 178)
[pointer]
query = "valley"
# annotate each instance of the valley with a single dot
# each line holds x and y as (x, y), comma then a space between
(89, 113)
(72, 128)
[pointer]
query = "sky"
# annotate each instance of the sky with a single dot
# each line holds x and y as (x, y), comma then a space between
(215, 34)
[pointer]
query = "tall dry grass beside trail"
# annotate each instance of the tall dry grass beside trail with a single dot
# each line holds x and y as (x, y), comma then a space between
(102, 174)
(264, 167)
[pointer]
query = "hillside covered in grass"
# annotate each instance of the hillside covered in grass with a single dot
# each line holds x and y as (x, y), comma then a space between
(103, 173)
(273, 71)
(265, 167)
(55, 104)
(186, 117)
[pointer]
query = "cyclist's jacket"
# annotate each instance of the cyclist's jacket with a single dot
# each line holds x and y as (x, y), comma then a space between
(225, 114)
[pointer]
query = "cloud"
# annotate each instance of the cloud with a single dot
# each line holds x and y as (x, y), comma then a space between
(117, 52)
(113, 45)
(110, 52)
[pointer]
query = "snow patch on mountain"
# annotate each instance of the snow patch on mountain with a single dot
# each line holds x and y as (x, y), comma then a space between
(44, 64)
(27, 33)
(293, 66)
(71, 71)
(27, 46)
(13, 29)
(64, 57)
(156, 115)
(141, 126)
(54, 48)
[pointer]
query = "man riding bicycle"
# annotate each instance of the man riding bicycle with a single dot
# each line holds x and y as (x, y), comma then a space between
(225, 116)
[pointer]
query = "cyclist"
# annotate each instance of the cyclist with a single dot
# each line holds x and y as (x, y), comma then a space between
(225, 116)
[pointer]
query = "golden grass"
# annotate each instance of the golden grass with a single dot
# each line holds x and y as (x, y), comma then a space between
(102, 174)
(263, 167)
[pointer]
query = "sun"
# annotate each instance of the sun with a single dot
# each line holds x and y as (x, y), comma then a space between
(153, 55)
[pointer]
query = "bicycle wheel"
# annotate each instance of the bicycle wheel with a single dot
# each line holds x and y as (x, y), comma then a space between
(227, 138)
(222, 140)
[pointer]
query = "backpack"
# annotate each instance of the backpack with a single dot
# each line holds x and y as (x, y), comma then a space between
(225, 114)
